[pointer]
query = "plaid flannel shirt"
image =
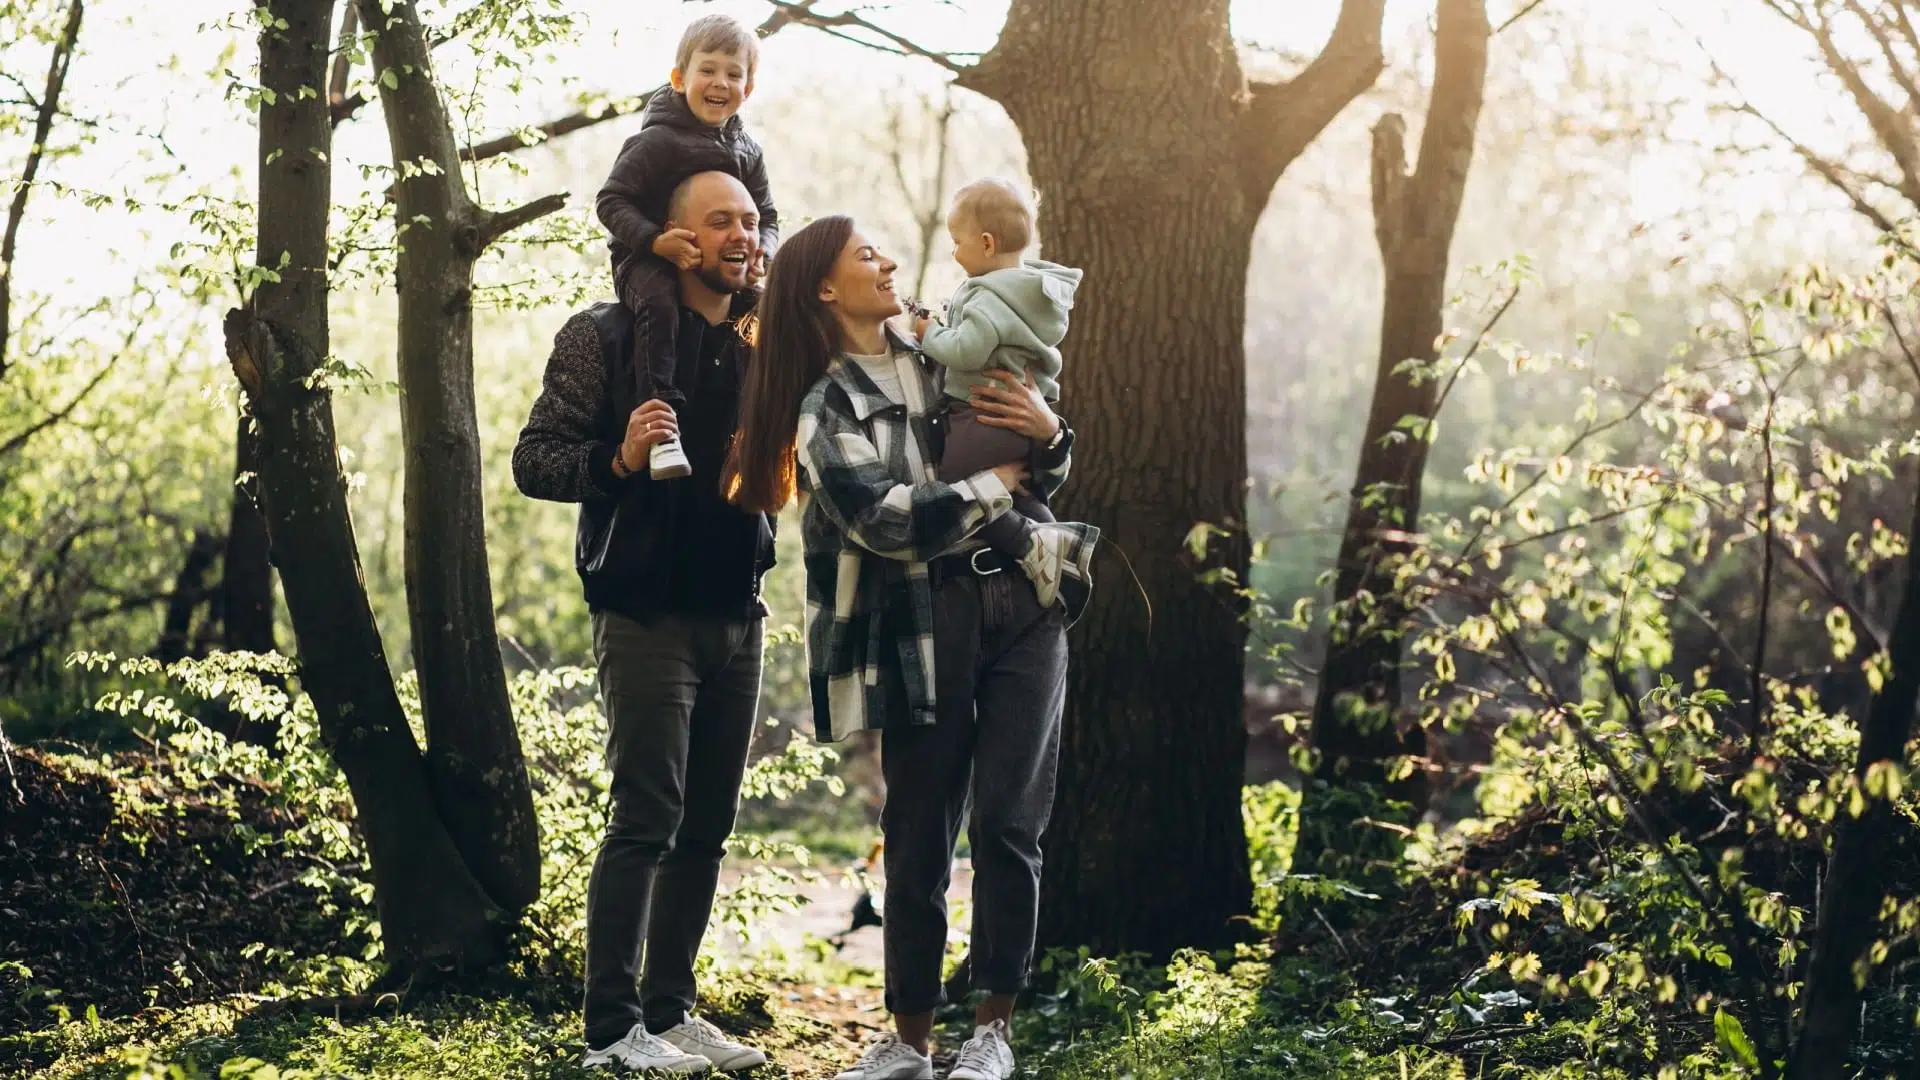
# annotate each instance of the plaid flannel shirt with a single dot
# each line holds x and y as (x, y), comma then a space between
(875, 516)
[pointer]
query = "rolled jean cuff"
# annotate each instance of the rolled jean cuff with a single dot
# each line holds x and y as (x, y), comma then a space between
(917, 1005)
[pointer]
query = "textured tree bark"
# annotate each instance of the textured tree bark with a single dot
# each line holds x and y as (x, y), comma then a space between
(1848, 922)
(1415, 213)
(1129, 110)
(473, 747)
(433, 914)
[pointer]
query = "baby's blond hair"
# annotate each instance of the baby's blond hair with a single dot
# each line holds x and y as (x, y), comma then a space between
(721, 34)
(1000, 207)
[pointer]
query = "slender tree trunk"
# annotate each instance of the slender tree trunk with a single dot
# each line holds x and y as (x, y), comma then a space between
(246, 579)
(1849, 922)
(432, 911)
(1415, 212)
(189, 593)
(1147, 850)
(245, 600)
(473, 747)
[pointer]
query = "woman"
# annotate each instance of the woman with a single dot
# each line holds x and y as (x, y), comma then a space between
(913, 627)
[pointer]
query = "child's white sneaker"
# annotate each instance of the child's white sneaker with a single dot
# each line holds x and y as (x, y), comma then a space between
(668, 461)
(639, 1049)
(986, 1056)
(1058, 551)
(698, 1037)
(890, 1059)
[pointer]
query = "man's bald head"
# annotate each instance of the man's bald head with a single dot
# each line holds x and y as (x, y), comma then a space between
(716, 208)
(705, 187)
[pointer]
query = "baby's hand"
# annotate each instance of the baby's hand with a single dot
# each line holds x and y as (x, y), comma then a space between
(678, 247)
(920, 326)
(757, 269)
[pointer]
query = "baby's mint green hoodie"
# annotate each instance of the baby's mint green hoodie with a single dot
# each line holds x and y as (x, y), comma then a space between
(1012, 319)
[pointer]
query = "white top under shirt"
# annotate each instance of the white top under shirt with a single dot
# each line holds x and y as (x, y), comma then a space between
(884, 370)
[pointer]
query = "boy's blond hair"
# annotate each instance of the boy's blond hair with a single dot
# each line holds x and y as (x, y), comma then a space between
(1000, 207)
(721, 34)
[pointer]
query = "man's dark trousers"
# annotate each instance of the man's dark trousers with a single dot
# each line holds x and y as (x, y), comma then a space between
(680, 693)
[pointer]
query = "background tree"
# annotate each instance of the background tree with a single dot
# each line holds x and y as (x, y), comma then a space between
(1154, 743)
(434, 912)
(1355, 716)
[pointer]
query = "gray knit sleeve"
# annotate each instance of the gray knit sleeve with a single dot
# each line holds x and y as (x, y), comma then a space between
(562, 453)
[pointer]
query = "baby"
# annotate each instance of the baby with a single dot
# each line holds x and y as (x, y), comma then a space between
(1010, 314)
(694, 129)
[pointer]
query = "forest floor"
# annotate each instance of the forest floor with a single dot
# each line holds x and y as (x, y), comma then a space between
(152, 927)
(135, 922)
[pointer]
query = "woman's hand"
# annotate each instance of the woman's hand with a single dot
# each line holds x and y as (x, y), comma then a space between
(1014, 403)
(1013, 476)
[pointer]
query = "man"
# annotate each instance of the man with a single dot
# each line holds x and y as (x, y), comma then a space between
(672, 574)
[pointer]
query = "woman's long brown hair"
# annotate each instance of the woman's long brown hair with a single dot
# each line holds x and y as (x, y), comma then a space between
(794, 342)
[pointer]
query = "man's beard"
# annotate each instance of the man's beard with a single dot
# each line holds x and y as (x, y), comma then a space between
(713, 277)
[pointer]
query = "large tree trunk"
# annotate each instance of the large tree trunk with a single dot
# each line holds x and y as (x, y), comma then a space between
(1147, 849)
(432, 911)
(1849, 921)
(1358, 696)
(473, 747)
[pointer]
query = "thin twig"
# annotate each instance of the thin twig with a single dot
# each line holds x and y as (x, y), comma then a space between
(1518, 15)
(36, 153)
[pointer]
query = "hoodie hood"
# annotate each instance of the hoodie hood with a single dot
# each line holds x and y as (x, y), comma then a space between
(669, 107)
(1040, 292)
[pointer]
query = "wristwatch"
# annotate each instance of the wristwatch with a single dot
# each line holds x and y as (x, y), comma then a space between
(1059, 433)
(620, 469)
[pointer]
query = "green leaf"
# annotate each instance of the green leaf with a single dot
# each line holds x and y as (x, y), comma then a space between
(390, 80)
(1732, 1039)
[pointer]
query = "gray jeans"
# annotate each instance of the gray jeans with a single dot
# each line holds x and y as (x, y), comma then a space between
(680, 695)
(1000, 670)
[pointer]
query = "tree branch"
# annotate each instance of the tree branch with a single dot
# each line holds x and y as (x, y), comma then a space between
(341, 106)
(1518, 15)
(1896, 67)
(57, 415)
(1453, 114)
(1390, 178)
(1895, 136)
(553, 129)
(1282, 119)
(36, 153)
(493, 225)
(803, 12)
(1830, 171)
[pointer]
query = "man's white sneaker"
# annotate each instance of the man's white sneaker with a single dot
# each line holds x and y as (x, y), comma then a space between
(696, 1036)
(639, 1049)
(890, 1059)
(668, 461)
(986, 1056)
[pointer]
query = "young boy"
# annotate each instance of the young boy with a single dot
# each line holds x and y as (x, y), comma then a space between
(1010, 314)
(696, 128)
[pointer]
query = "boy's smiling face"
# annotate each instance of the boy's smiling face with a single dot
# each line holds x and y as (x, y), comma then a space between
(716, 85)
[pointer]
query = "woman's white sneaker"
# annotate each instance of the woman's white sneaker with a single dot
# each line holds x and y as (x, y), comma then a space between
(696, 1036)
(639, 1049)
(986, 1056)
(890, 1059)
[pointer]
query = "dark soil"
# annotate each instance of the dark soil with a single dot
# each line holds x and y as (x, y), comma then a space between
(125, 886)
